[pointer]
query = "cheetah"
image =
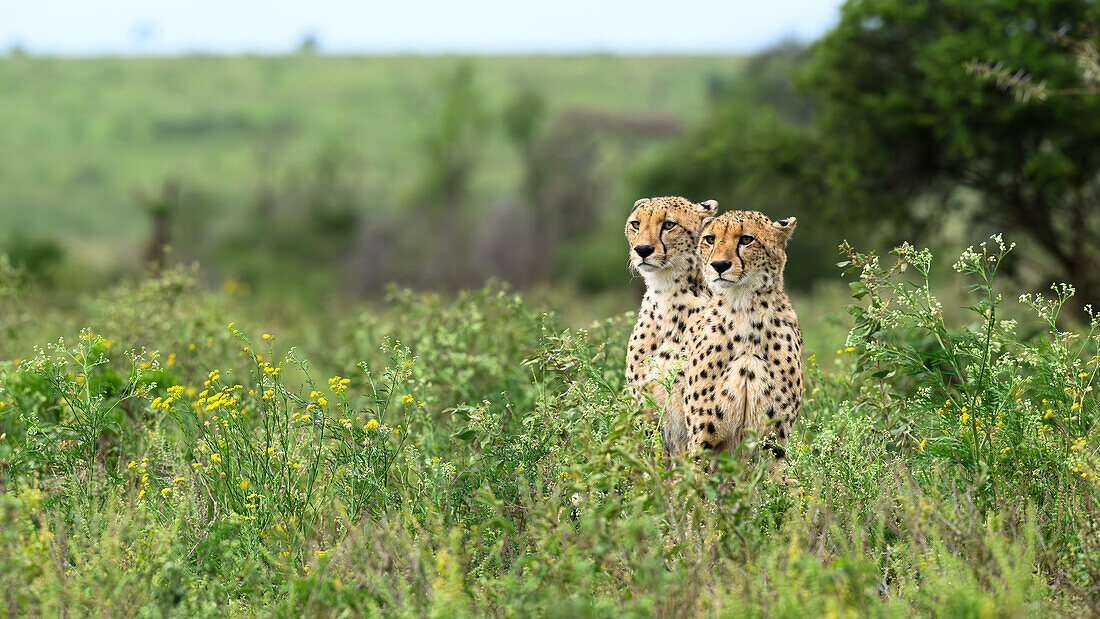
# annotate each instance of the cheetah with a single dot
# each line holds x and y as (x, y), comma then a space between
(662, 234)
(743, 377)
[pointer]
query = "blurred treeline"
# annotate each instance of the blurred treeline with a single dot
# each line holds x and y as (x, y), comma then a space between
(879, 131)
(312, 174)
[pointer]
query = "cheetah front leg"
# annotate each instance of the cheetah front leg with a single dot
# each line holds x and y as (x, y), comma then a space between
(705, 441)
(673, 430)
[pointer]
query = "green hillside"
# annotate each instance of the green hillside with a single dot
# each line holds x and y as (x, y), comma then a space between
(81, 136)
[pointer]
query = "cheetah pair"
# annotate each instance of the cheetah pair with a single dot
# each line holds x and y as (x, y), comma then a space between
(715, 308)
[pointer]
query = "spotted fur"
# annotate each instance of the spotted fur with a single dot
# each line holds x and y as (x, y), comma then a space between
(743, 378)
(662, 234)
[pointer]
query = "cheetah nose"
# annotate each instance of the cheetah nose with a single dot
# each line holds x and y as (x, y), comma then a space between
(721, 266)
(643, 250)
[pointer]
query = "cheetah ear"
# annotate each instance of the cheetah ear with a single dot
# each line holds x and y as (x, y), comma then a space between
(706, 222)
(710, 207)
(639, 202)
(785, 227)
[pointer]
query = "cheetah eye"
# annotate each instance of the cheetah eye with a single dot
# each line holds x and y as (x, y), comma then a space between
(746, 239)
(668, 225)
(709, 239)
(635, 224)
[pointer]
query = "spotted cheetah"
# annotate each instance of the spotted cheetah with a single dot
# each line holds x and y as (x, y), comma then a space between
(662, 233)
(743, 378)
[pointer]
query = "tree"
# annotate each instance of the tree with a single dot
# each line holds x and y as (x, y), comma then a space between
(454, 142)
(1085, 50)
(309, 45)
(161, 209)
(756, 150)
(900, 118)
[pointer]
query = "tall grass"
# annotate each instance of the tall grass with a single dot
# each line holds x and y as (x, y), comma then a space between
(469, 455)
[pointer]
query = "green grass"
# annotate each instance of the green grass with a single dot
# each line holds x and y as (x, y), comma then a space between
(81, 135)
(470, 455)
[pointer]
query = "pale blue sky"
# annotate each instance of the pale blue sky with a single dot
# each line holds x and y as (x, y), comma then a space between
(273, 26)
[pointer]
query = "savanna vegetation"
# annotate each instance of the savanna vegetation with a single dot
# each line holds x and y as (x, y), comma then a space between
(469, 455)
(214, 399)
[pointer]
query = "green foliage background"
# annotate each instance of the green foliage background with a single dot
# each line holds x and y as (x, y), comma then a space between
(80, 135)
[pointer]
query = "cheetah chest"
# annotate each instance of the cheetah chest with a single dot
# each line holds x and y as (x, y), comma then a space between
(732, 384)
(741, 388)
(662, 333)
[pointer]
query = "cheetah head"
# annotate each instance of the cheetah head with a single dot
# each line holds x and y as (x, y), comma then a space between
(662, 233)
(744, 250)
